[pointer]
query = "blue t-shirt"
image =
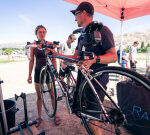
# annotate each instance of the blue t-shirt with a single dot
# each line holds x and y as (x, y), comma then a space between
(123, 54)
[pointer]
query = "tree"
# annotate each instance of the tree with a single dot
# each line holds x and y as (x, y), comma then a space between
(8, 51)
(127, 49)
(148, 45)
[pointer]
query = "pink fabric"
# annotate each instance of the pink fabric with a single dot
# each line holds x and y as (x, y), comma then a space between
(112, 8)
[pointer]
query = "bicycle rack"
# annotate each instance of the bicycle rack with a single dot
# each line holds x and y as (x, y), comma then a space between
(25, 123)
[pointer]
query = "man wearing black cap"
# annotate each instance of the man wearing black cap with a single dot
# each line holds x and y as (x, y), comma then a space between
(104, 53)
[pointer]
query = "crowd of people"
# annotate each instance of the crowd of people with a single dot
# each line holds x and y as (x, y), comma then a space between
(105, 53)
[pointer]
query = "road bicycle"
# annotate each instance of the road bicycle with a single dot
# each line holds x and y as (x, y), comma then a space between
(118, 114)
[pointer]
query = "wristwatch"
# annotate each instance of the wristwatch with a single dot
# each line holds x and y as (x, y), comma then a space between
(98, 60)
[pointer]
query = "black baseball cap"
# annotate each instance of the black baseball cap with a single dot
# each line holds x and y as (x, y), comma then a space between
(88, 7)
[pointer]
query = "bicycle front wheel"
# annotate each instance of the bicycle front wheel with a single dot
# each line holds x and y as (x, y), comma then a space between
(48, 92)
(124, 94)
(71, 82)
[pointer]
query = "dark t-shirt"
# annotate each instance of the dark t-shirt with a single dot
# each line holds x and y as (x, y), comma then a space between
(107, 43)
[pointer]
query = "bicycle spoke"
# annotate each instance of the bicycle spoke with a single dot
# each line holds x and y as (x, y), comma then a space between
(48, 92)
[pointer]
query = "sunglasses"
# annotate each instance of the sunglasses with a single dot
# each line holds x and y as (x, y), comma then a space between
(78, 12)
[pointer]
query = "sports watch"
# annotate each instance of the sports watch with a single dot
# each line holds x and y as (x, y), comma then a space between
(98, 60)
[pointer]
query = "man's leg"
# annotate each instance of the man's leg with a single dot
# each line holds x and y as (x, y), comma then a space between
(95, 129)
(94, 105)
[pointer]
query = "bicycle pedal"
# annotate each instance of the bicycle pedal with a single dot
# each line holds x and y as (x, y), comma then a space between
(59, 98)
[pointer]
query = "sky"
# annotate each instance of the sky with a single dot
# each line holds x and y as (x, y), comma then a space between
(18, 19)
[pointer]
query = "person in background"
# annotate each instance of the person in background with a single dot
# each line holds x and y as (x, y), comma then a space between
(124, 60)
(132, 55)
(66, 49)
(38, 58)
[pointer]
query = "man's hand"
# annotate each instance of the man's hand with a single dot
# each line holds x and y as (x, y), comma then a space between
(87, 63)
(135, 62)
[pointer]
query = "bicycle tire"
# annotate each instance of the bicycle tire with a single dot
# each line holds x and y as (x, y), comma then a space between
(47, 80)
(132, 124)
(72, 85)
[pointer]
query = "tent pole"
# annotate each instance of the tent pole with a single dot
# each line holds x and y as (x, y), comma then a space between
(121, 41)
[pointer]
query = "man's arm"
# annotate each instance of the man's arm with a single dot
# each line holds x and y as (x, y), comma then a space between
(75, 56)
(131, 54)
(125, 58)
(109, 57)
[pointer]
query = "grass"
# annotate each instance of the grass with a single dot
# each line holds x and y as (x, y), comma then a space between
(141, 58)
(9, 61)
(6, 60)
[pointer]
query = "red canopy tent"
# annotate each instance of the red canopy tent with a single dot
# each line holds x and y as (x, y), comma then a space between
(119, 9)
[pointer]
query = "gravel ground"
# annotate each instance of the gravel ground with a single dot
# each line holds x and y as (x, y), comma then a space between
(15, 76)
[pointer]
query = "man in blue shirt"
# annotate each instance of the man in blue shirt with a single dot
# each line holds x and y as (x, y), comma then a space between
(124, 59)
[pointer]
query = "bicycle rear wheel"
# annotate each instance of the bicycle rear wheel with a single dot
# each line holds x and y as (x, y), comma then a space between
(125, 99)
(48, 92)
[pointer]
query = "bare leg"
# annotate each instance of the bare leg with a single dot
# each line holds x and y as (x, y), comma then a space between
(39, 100)
(96, 130)
(56, 118)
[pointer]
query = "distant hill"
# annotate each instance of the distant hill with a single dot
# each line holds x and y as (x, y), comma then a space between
(129, 38)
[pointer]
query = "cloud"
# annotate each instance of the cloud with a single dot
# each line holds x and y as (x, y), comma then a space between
(25, 19)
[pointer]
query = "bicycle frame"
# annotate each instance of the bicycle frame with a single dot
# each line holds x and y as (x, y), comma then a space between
(60, 82)
(88, 77)
(86, 73)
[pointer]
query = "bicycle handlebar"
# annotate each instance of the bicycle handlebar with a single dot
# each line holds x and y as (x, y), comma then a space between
(52, 46)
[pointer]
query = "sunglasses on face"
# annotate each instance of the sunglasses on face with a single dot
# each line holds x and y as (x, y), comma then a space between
(78, 12)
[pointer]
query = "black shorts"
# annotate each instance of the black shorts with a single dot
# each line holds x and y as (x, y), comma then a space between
(37, 76)
(132, 64)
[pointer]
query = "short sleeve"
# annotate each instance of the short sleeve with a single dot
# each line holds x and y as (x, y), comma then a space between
(107, 38)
